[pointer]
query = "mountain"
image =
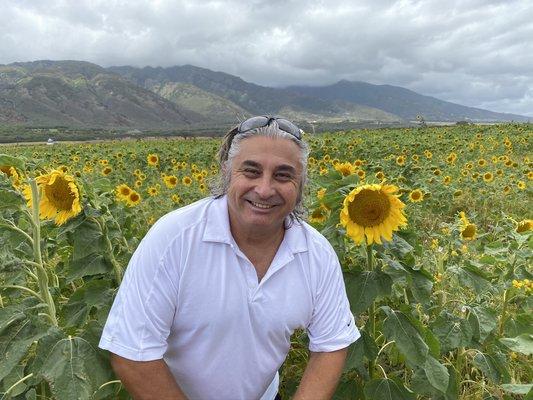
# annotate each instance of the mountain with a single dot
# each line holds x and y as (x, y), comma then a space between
(254, 98)
(81, 94)
(211, 106)
(402, 102)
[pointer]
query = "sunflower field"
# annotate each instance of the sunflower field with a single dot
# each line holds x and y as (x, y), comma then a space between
(432, 227)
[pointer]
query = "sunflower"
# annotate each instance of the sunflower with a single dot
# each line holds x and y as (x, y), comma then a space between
(133, 199)
(176, 198)
(361, 174)
(345, 169)
(400, 160)
(521, 185)
(319, 215)
(152, 191)
(122, 191)
(10, 171)
(153, 159)
(60, 197)
(447, 180)
(524, 226)
(451, 158)
(186, 180)
(488, 177)
(372, 211)
(380, 175)
(321, 193)
(106, 171)
(468, 230)
(170, 181)
(416, 196)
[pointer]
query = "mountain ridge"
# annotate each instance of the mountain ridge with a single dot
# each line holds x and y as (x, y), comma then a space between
(80, 93)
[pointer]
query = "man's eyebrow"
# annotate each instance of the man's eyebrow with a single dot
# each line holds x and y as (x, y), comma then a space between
(282, 167)
(250, 163)
(286, 168)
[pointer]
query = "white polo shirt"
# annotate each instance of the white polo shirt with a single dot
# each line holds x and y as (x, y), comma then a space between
(192, 298)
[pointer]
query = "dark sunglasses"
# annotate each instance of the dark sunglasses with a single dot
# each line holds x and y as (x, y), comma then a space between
(262, 121)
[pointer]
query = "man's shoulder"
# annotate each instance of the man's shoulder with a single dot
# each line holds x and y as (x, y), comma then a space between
(315, 240)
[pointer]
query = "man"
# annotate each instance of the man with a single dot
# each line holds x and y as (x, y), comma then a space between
(215, 289)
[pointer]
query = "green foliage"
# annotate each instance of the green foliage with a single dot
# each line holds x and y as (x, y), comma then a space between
(440, 317)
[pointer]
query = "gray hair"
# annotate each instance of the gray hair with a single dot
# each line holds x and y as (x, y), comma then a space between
(231, 146)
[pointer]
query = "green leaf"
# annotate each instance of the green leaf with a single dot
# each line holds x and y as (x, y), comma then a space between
(453, 332)
(521, 344)
(397, 327)
(421, 385)
(93, 264)
(387, 389)
(10, 199)
(94, 294)
(364, 287)
(348, 390)
(437, 374)
(11, 161)
(519, 324)
(491, 367)
(31, 394)
(16, 374)
(472, 277)
(398, 246)
(483, 321)
(70, 365)
(17, 333)
(88, 253)
(517, 388)
(364, 347)
(421, 286)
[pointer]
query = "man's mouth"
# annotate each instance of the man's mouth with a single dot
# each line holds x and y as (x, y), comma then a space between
(260, 205)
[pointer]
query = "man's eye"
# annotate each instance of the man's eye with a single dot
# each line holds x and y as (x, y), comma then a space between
(283, 176)
(249, 171)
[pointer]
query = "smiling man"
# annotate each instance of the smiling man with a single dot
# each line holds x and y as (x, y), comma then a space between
(215, 289)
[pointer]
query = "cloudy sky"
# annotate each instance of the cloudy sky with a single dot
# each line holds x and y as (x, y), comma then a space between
(473, 52)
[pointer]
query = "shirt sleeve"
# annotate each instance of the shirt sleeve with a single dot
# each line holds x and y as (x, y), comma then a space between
(332, 325)
(143, 311)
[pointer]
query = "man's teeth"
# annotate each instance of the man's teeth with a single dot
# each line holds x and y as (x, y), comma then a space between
(259, 205)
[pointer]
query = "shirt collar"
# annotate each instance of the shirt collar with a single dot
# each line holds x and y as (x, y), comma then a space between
(217, 228)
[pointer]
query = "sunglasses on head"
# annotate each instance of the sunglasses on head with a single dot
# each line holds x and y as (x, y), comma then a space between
(262, 121)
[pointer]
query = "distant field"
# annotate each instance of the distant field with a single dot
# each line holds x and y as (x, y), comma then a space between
(456, 280)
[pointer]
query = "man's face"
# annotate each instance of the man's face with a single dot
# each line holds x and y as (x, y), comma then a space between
(265, 181)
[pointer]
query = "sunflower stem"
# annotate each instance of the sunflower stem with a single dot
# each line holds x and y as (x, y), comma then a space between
(117, 268)
(372, 310)
(504, 313)
(42, 276)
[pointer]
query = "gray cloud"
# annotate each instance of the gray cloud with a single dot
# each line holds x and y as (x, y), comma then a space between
(473, 52)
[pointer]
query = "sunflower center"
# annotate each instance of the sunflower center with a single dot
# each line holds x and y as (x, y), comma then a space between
(6, 169)
(369, 208)
(60, 194)
(469, 231)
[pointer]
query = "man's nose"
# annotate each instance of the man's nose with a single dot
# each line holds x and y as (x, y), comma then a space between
(265, 187)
